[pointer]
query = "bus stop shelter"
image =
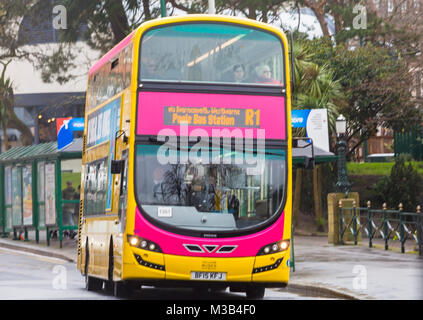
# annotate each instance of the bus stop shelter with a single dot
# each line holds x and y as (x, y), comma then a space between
(39, 189)
(305, 154)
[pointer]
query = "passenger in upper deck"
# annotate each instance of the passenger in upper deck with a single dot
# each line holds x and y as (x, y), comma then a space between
(152, 70)
(237, 75)
(264, 75)
(149, 68)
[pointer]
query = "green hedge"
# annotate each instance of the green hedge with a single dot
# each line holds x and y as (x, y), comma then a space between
(378, 168)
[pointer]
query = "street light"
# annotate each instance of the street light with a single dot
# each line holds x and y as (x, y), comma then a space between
(343, 185)
(341, 125)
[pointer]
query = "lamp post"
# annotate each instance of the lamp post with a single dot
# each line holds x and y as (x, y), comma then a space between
(343, 185)
(163, 8)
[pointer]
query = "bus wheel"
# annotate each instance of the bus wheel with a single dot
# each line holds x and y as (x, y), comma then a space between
(91, 284)
(121, 290)
(255, 293)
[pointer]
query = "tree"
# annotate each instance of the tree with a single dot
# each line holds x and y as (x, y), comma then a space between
(7, 113)
(316, 88)
(318, 8)
(403, 185)
(315, 83)
(375, 83)
(6, 100)
(11, 48)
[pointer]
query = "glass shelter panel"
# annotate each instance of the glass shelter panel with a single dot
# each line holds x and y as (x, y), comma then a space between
(27, 195)
(17, 196)
(50, 194)
(71, 189)
(40, 189)
(8, 196)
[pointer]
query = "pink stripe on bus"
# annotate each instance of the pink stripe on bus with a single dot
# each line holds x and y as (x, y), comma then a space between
(170, 243)
(112, 53)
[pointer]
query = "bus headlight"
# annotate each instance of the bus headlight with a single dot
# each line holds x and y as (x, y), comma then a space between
(133, 241)
(145, 244)
(274, 247)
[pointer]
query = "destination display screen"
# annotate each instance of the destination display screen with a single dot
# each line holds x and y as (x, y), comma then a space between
(247, 116)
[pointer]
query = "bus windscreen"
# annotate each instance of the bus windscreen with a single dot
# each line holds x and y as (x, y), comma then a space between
(212, 53)
(220, 190)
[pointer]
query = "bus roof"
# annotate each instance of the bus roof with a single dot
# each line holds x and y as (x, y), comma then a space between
(192, 17)
(112, 53)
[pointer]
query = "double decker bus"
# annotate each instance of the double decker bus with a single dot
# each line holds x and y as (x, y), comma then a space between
(186, 177)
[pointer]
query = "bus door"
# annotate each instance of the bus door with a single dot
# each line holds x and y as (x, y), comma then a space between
(123, 193)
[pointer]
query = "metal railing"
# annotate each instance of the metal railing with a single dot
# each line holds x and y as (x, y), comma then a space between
(383, 224)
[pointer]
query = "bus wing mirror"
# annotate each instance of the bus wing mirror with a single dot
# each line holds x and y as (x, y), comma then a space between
(116, 166)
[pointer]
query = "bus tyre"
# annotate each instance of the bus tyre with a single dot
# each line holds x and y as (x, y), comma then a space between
(91, 284)
(121, 290)
(255, 293)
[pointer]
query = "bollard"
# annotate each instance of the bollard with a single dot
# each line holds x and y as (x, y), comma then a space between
(385, 226)
(355, 223)
(369, 221)
(401, 229)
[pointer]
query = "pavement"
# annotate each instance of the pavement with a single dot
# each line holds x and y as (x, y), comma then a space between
(344, 272)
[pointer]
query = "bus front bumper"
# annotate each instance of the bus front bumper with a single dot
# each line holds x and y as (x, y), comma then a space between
(269, 270)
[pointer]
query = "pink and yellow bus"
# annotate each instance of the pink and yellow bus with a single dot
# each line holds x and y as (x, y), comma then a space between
(186, 176)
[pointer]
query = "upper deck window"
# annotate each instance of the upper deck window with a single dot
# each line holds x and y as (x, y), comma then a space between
(211, 53)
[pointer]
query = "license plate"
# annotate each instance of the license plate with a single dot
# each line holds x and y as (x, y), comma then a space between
(214, 276)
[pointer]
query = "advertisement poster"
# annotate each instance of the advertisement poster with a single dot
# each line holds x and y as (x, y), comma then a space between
(8, 195)
(49, 192)
(316, 123)
(17, 196)
(27, 194)
(40, 189)
(102, 126)
(8, 185)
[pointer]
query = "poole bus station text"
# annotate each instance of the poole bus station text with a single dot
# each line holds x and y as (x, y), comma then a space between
(209, 116)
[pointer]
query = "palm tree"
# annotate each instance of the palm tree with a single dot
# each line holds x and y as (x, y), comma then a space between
(315, 89)
(6, 100)
(7, 113)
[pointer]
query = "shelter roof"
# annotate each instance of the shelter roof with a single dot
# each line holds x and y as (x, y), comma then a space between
(41, 151)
